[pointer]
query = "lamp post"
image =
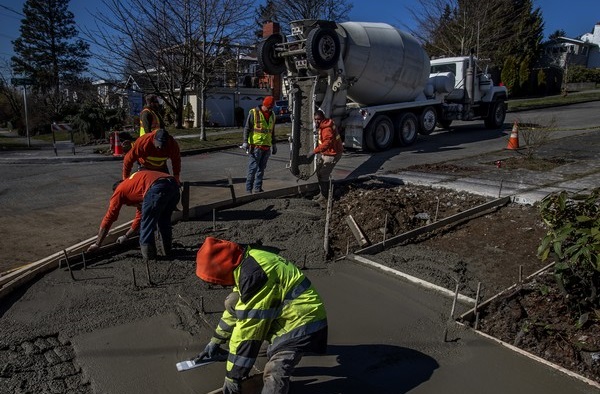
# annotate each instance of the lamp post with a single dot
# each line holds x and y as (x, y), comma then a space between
(24, 82)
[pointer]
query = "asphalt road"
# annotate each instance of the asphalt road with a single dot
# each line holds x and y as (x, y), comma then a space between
(47, 207)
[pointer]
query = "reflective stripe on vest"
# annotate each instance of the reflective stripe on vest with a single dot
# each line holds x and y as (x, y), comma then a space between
(298, 332)
(155, 122)
(274, 313)
(261, 134)
(157, 162)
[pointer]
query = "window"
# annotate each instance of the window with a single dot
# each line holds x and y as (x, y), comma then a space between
(443, 68)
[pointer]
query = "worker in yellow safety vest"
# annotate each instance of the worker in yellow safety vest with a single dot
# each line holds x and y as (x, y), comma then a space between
(273, 301)
(150, 118)
(259, 142)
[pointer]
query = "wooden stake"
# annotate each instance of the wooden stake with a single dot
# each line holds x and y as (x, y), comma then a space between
(520, 274)
(500, 191)
(452, 310)
(385, 229)
(148, 272)
(358, 234)
(327, 218)
(214, 219)
(475, 312)
(68, 265)
(437, 209)
(133, 275)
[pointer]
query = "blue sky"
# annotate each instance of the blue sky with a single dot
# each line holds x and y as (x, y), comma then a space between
(576, 17)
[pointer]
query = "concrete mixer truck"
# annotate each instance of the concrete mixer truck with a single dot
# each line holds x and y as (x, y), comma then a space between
(376, 82)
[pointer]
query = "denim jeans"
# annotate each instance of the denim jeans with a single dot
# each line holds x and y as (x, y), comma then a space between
(159, 203)
(256, 169)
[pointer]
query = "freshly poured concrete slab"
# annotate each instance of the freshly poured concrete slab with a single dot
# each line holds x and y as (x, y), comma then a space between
(386, 336)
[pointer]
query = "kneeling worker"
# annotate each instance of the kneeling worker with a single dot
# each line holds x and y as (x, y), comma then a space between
(272, 301)
(155, 195)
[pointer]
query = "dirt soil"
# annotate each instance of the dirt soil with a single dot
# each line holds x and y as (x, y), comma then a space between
(490, 250)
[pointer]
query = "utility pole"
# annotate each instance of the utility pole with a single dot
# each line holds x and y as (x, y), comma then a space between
(26, 117)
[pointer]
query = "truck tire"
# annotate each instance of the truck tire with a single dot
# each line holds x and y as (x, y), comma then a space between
(407, 128)
(444, 124)
(322, 48)
(427, 121)
(379, 134)
(496, 115)
(266, 55)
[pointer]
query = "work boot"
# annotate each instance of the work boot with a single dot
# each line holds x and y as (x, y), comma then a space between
(148, 252)
(319, 198)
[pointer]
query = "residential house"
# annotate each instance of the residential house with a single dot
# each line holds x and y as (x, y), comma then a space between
(593, 38)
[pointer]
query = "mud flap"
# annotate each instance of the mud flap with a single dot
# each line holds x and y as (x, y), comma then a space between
(303, 138)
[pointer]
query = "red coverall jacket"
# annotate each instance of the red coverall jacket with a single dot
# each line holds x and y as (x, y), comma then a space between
(152, 158)
(330, 142)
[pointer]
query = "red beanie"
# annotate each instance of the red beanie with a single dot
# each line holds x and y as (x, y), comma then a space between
(268, 101)
(216, 259)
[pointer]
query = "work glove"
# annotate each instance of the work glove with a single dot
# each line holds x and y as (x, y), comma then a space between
(244, 146)
(274, 149)
(93, 247)
(310, 155)
(122, 239)
(212, 351)
(231, 386)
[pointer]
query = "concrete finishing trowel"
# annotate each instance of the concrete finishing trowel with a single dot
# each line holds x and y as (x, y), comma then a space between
(195, 363)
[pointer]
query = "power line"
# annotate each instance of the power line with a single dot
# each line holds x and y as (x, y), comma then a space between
(12, 10)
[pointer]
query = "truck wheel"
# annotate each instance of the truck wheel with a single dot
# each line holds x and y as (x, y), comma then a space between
(427, 121)
(270, 63)
(496, 115)
(322, 48)
(444, 124)
(407, 128)
(379, 134)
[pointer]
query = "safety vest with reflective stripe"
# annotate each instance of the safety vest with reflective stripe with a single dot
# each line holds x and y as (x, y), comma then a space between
(263, 129)
(155, 122)
(284, 309)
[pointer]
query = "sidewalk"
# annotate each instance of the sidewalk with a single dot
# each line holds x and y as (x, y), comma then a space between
(42, 151)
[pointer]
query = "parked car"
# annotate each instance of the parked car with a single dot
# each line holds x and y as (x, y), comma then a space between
(282, 111)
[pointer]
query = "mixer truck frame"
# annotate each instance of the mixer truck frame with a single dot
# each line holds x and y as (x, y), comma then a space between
(377, 83)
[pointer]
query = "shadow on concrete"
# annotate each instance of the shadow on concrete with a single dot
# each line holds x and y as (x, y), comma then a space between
(367, 369)
(437, 142)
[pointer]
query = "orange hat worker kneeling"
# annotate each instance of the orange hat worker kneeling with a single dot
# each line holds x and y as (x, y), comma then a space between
(271, 301)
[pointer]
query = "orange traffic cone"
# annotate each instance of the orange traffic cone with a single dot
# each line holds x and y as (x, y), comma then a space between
(118, 147)
(513, 142)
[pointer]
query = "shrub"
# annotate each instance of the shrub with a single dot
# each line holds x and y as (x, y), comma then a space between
(574, 238)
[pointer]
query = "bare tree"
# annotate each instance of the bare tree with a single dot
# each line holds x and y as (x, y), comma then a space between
(286, 11)
(170, 47)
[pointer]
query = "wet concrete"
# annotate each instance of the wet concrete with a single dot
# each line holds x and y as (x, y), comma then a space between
(386, 336)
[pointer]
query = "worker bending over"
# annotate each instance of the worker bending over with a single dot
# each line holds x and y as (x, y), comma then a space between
(155, 195)
(271, 301)
(151, 151)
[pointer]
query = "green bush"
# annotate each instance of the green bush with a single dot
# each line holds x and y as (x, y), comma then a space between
(574, 239)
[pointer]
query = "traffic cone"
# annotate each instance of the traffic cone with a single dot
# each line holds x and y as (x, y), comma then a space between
(513, 141)
(118, 147)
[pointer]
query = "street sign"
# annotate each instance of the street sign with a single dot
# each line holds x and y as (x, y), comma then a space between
(22, 81)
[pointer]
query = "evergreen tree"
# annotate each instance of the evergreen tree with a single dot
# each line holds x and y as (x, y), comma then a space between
(510, 75)
(495, 29)
(48, 48)
(556, 34)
